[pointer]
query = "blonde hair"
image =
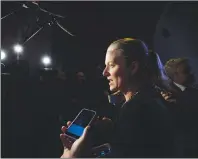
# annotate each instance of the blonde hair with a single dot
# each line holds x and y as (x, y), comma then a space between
(123, 40)
(133, 49)
(172, 65)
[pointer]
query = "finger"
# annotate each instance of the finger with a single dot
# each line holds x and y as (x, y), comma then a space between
(162, 92)
(69, 123)
(95, 120)
(86, 132)
(63, 129)
(169, 93)
(105, 118)
(65, 141)
(167, 97)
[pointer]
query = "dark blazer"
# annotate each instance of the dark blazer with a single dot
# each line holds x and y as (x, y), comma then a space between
(187, 119)
(143, 128)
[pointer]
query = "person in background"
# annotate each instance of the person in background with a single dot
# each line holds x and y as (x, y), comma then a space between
(186, 105)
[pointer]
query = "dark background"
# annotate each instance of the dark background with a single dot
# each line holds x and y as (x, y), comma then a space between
(170, 28)
(33, 110)
(95, 24)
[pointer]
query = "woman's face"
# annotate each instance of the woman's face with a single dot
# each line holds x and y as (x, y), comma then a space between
(116, 71)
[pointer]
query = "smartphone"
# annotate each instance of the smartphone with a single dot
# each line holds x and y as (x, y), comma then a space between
(84, 118)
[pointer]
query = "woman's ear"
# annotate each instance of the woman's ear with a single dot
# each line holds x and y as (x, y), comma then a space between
(133, 68)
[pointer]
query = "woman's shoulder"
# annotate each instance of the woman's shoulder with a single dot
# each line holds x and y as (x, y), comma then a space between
(145, 103)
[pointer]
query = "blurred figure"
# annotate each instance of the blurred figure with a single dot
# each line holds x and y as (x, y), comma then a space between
(61, 75)
(186, 103)
(182, 77)
(80, 91)
(81, 88)
(179, 70)
(160, 79)
(180, 73)
(81, 77)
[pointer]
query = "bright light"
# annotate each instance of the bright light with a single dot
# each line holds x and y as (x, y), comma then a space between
(3, 55)
(46, 60)
(18, 48)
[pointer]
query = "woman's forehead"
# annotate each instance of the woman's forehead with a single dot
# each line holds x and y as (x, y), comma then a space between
(112, 47)
(114, 51)
(114, 56)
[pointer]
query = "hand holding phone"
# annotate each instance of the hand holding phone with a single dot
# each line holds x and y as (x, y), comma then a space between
(75, 129)
(80, 148)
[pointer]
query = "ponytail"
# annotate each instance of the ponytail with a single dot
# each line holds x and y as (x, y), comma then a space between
(156, 71)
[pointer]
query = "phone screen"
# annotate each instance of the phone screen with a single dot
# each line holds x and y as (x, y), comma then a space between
(80, 122)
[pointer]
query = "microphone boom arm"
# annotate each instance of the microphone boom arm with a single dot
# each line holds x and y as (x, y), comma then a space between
(13, 12)
(58, 24)
(26, 40)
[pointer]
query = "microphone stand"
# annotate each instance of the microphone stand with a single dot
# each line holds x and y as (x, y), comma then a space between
(11, 13)
(53, 21)
(60, 26)
(36, 7)
(27, 39)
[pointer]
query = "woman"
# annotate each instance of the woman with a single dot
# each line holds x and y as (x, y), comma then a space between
(143, 125)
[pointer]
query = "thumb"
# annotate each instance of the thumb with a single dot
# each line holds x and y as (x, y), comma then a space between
(105, 118)
(86, 131)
